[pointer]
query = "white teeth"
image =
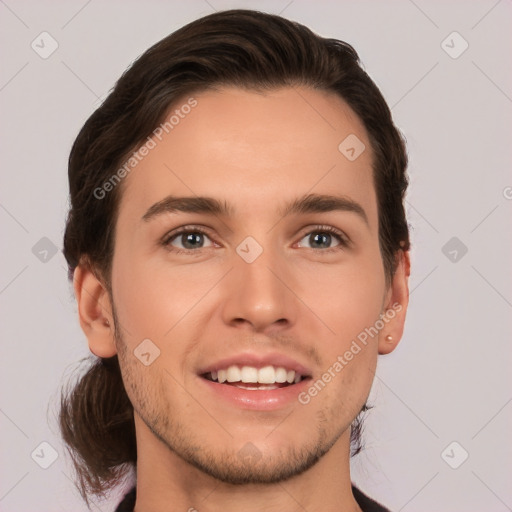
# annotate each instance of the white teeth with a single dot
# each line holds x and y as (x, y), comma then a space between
(250, 375)
(281, 375)
(233, 374)
(266, 375)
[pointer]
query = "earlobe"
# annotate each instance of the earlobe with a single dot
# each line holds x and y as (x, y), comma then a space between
(397, 301)
(95, 312)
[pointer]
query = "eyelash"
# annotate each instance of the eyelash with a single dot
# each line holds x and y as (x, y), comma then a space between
(342, 238)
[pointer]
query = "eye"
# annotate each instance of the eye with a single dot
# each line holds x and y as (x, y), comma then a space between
(323, 238)
(186, 240)
(190, 239)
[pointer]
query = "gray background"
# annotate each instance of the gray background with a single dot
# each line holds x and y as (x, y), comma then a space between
(449, 379)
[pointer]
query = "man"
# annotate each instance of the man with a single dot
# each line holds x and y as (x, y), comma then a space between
(239, 251)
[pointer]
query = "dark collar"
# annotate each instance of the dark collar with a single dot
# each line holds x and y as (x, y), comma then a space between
(366, 503)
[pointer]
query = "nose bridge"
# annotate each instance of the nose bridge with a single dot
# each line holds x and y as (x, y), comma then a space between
(254, 267)
(258, 293)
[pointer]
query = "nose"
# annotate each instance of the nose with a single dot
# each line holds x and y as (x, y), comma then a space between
(259, 295)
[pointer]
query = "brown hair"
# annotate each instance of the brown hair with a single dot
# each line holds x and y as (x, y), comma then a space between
(241, 48)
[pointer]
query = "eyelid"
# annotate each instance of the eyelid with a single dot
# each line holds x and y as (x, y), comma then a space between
(186, 229)
(343, 238)
(324, 227)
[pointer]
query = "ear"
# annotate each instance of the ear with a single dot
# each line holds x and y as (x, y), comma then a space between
(396, 302)
(95, 312)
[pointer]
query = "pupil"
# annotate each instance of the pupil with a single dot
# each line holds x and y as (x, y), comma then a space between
(191, 238)
(322, 239)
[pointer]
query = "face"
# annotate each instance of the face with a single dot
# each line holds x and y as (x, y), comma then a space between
(243, 286)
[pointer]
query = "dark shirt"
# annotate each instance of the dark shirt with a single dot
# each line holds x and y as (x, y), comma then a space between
(366, 503)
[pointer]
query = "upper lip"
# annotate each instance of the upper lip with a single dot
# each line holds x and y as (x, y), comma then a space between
(258, 361)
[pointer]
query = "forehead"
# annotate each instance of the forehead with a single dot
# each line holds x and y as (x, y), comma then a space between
(251, 149)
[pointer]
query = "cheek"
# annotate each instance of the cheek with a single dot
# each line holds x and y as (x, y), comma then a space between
(347, 299)
(152, 297)
(348, 302)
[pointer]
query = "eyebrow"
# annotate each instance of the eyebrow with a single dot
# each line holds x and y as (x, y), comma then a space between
(310, 203)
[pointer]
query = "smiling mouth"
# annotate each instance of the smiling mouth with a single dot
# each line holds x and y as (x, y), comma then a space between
(255, 379)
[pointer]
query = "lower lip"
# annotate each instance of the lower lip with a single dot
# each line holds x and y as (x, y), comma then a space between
(259, 400)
